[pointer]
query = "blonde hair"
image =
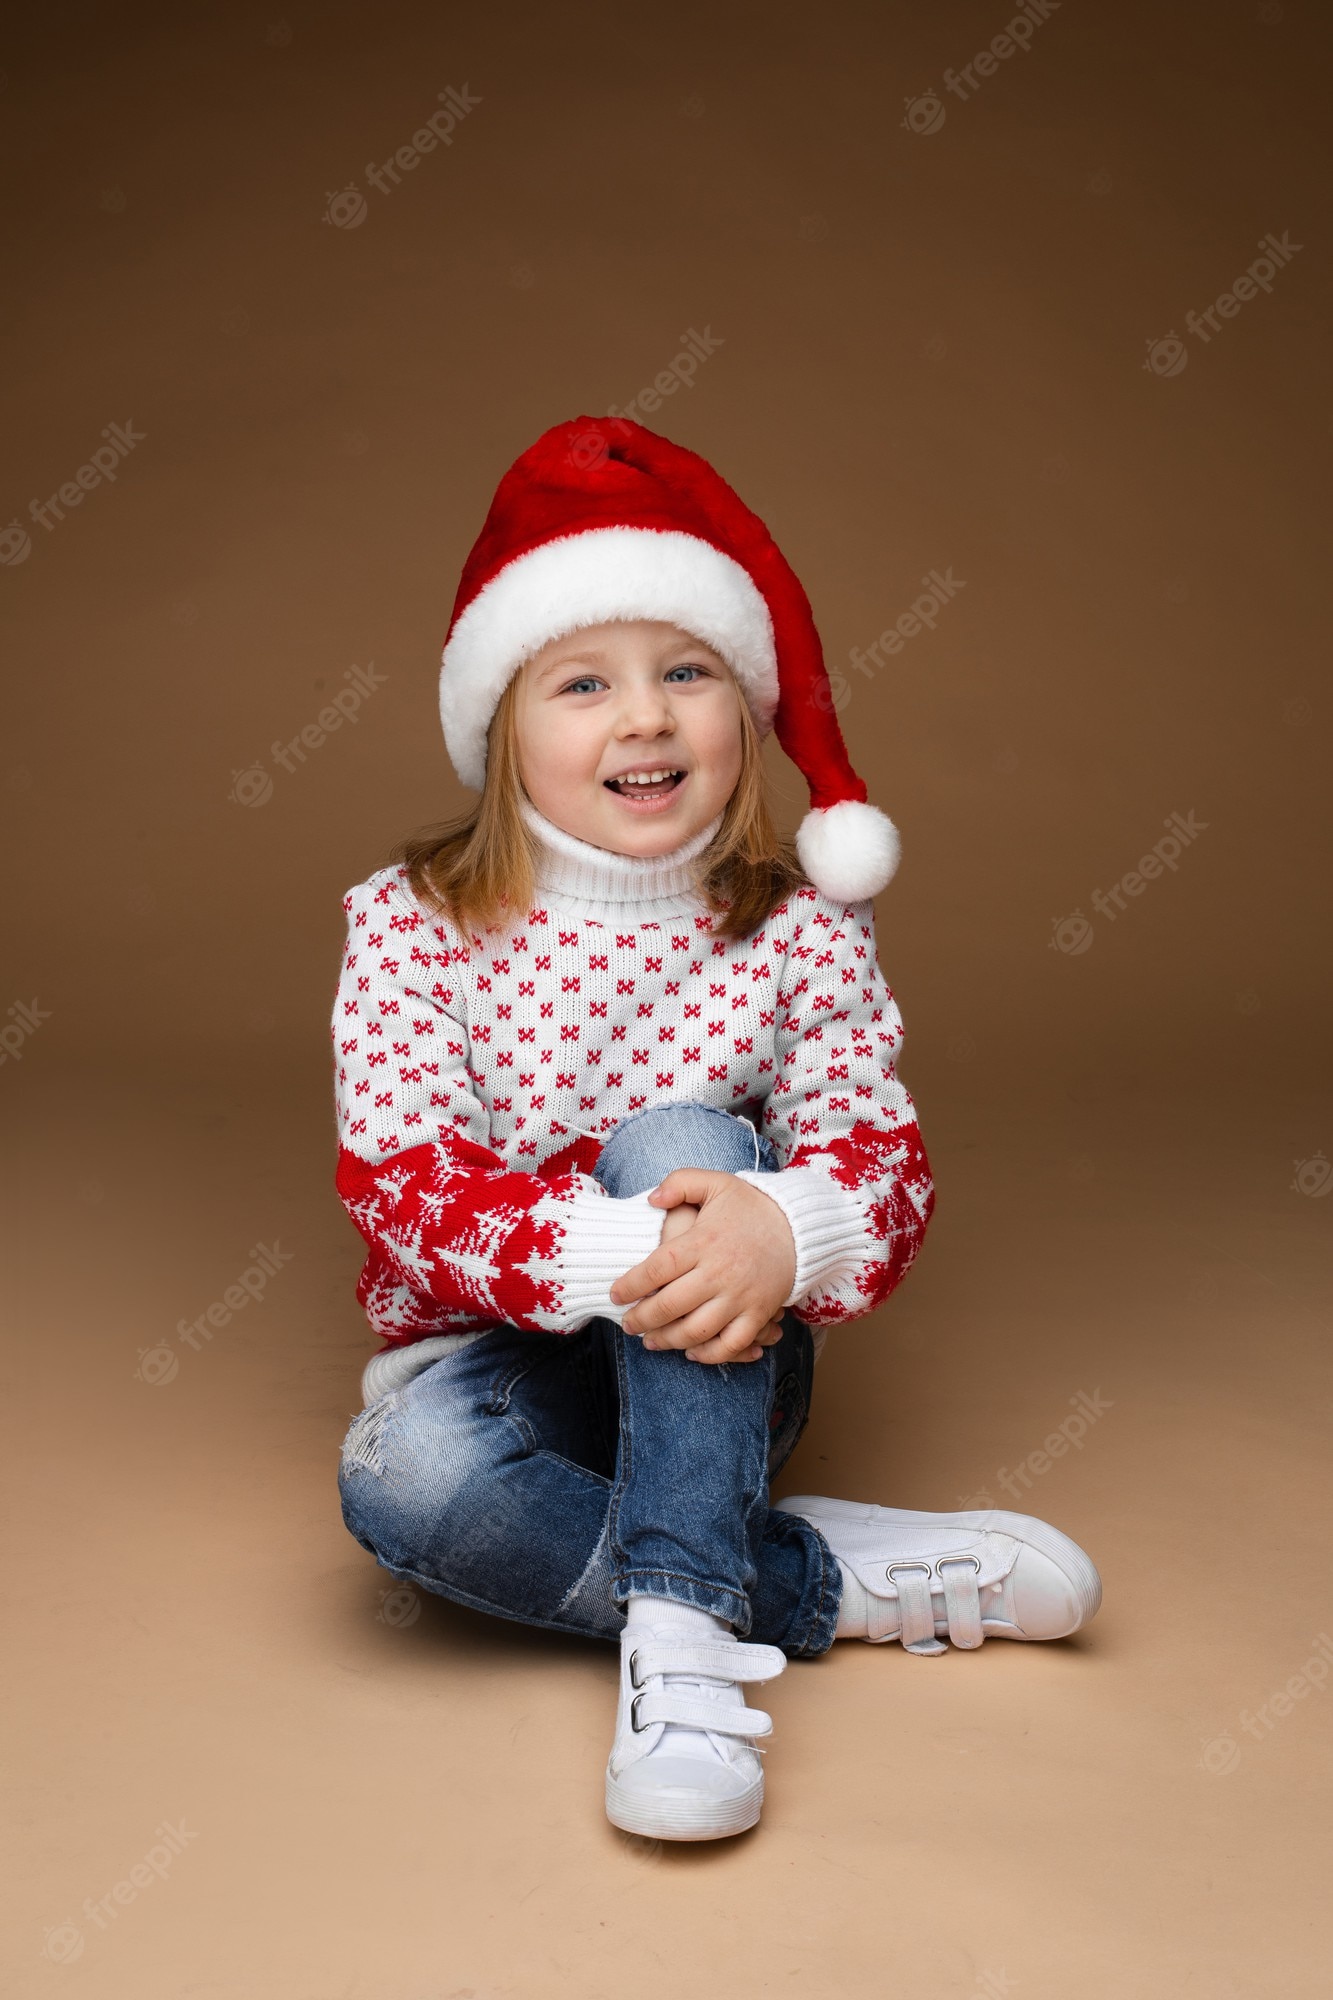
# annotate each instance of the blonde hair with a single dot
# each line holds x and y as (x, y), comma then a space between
(479, 869)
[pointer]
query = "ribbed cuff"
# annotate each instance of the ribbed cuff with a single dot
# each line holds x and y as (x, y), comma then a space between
(827, 1222)
(604, 1238)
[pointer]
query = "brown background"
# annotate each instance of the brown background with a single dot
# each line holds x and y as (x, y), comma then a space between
(932, 350)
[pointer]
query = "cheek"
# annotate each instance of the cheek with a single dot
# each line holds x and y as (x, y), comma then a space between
(718, 742)
(557, 744)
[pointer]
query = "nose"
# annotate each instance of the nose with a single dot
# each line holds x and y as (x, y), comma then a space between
(644, 710)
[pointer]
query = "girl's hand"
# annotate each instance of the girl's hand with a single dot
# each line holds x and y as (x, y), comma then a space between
(680, 1217)
(717, 1286)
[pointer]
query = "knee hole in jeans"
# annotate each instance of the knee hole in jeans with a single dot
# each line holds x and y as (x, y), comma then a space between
(364, 1443)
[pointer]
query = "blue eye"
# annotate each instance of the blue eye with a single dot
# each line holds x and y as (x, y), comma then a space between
(588, 682)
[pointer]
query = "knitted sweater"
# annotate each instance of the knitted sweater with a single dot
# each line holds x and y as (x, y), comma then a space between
(474, 1076)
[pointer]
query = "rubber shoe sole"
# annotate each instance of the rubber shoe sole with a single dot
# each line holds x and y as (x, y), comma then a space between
(663, 1812)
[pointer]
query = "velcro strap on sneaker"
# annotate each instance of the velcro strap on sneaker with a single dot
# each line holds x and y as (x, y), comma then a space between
(918, 1613)
(883, 1618)
(723, 1718)
(962, 1600)
(737, 1662)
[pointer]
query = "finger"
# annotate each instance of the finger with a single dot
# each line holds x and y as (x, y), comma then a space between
(703, 1323)
(674, 1302)
(685, 1184)
(733, 1343)
(668, 1261)
(697, 1355)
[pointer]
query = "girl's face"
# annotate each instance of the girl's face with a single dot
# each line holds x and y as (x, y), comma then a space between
(614, 702)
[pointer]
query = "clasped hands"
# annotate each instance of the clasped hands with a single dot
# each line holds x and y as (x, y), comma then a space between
(716, 1283)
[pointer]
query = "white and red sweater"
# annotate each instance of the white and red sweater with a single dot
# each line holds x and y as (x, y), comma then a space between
(476, 1079)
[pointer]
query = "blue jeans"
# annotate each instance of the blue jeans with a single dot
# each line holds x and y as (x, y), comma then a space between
(544, 1477)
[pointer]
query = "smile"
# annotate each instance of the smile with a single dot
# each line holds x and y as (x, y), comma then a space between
(642, 790)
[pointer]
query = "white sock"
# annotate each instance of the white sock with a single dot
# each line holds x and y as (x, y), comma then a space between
(645, 1610)
(691, 1624)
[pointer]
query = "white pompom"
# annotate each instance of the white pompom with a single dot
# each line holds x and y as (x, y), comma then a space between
(849, 851)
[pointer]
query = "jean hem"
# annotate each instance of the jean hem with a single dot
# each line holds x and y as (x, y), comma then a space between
(718, 1598)
(819, 1627)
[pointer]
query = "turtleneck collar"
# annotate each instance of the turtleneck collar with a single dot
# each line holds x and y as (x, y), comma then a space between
(602, 883)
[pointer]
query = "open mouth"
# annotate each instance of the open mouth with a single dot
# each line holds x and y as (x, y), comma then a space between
(646, 787)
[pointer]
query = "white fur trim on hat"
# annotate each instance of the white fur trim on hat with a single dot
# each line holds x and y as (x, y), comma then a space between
(590, 578)
(849, 850)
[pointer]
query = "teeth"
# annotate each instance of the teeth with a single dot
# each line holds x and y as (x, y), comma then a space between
(646, 777)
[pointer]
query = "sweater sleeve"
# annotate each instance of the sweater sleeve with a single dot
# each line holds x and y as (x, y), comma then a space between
(855, 1183)
(458, 1241)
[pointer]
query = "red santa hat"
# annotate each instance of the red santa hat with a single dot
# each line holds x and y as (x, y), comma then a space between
(601, 519)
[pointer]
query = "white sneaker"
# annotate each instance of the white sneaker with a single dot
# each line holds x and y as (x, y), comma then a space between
(685, 1765)
(925, 1579)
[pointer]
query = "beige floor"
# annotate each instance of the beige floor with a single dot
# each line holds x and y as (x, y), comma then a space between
(385, 1795)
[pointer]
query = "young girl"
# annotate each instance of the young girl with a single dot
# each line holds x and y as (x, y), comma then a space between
(621, 1125)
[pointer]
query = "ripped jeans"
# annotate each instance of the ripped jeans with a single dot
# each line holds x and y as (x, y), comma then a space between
(544, 1477)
